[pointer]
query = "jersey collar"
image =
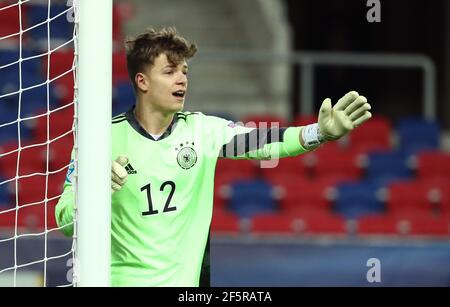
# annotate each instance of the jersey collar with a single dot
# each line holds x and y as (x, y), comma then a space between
(131, 118)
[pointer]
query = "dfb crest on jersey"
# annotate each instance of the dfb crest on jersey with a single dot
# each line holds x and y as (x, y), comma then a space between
(187, 157)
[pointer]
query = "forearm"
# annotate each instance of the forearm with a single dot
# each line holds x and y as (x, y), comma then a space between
(265, 145)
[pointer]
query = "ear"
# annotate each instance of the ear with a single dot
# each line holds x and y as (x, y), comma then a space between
(141, 82)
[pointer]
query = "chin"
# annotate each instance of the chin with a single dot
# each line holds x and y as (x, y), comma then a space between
(178, 107)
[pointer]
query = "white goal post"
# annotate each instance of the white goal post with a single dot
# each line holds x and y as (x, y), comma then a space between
(55, 94)
(94, 143)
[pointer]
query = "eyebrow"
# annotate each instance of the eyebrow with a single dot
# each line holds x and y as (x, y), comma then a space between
(175, 66)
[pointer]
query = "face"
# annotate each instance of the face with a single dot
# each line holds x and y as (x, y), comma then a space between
(164, 85)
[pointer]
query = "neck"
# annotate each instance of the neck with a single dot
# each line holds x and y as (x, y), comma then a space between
(153, 121)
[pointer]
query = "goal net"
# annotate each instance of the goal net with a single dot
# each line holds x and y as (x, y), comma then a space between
(37, 134)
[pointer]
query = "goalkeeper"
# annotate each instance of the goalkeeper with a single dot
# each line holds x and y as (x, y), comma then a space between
(164, 160)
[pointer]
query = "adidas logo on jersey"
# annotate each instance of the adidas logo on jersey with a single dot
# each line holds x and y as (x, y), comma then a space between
(130, 169)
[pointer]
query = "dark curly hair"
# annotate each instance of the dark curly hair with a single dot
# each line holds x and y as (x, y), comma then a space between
(144, 48)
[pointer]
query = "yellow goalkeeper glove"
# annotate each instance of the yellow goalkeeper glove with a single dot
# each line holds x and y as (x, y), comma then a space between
(348, 113)
(118, 173)
(334, 122)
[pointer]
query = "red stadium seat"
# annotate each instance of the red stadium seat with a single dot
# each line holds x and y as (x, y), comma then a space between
(273, 223)
(299, 222)
(120, 70)
(235, 169)
(7, 218)
(439, 192)
(61, 122)
(60, 62)
(267, 119)
(430, 225)
(433, 164)
(405, 223)
(56, 183)
(30, 189)
(385, 224)
(320, 221)
(60, 152)
(32, 159)
(375, 134)
(33, 217)
(331, 163)
(224, 222)
(285, 167)
(407, 196)
(300, 193)
(303, 120)
(9, 21)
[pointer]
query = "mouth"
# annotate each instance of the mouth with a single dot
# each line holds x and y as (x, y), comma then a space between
(180, 94)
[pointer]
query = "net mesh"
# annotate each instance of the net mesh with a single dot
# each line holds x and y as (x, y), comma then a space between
(37, 108)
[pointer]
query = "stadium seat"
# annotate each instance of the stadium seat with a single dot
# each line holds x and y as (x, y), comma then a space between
(300, 193)
(251, 197)
(235, 169)
(265, 120)
(60, 152)
(64, 89)
(61, 61)
(61, 122)
(334, 163)
(383, 167)
(408, 196)
(4, 194)
(35, 101)
(60, 27)
(284, 167)
(9, 21)
(120, 71)
(33, 217)
(298, 222)
(123, 97)
(318, 221)
(303, 120)
(273, 223)
(9, 133)
(428, 224)
(373, 135)
(433, 164)
(7, 219)
(32, 159)
(416, 134)
(382, 224)
(30, 189)
(356, 199)
(224, 221)
(56, 183)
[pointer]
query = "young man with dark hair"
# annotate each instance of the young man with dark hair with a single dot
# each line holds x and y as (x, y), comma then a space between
(162, 175)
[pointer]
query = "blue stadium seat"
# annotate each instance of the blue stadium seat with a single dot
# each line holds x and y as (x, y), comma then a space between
(356, 199)
(9, 133)
(4, 194)
(60, 27)
(251, 197)
(384, 167)
(416, 134)
(123, 97)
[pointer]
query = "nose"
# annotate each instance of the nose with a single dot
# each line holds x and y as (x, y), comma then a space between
(182, 79)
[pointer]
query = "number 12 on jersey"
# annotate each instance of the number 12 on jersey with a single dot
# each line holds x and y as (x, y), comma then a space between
(167, 208)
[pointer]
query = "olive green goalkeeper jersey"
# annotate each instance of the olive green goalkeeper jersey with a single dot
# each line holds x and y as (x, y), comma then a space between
(160, 219)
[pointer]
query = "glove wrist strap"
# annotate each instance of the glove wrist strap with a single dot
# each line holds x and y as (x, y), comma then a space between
(312, 137)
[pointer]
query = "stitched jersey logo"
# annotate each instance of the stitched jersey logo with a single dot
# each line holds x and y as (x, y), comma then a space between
(130, 169)
(187, 157)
